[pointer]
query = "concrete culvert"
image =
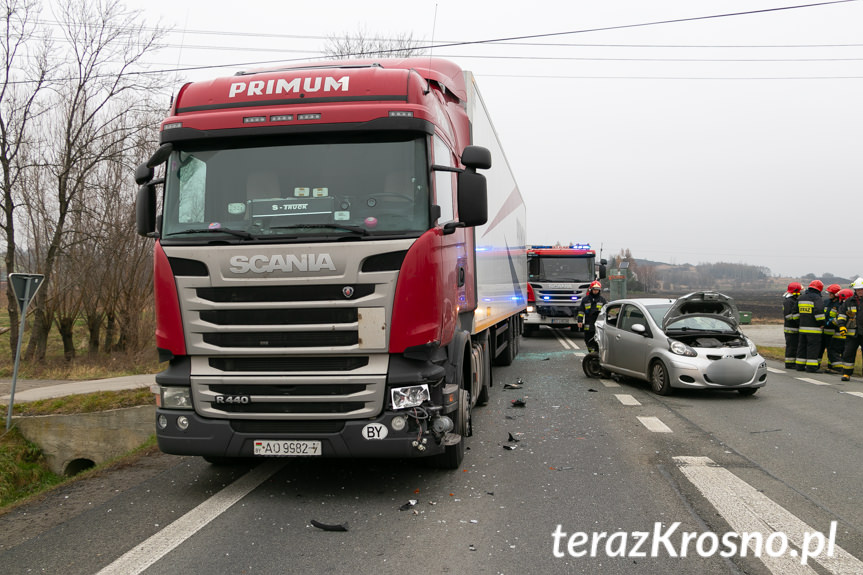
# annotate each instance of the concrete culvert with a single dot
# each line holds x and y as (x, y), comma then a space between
(77, 466)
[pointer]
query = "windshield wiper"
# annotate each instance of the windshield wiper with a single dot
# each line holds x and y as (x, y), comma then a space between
(346, 227)
(239, 233)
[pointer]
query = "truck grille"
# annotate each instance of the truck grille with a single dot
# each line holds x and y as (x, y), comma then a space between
(291, 350)
(304, 363)
(282, 293)
(279, 339)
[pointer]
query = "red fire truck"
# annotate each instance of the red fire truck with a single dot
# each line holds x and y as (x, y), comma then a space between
(558, 278)
(333, 277)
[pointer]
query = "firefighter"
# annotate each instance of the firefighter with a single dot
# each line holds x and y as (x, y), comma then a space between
(810, 306)
(791, 323)
(849, 322)
(588, 311)
(831, 310)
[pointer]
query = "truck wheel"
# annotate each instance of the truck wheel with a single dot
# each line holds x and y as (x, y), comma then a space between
(485, 389)
(529, 330)
(453, 455)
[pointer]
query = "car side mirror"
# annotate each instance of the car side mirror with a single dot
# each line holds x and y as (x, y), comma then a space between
(639, 329)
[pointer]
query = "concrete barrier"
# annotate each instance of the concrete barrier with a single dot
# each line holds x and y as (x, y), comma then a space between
(72, 443)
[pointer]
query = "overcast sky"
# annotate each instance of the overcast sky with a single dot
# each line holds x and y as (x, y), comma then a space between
(707, 139)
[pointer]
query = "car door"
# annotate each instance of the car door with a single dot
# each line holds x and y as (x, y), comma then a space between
(630, 347)
(606, 328)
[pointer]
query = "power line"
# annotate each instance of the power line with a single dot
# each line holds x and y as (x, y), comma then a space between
(501, 41)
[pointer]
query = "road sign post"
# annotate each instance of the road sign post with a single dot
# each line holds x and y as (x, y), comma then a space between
(25, 287)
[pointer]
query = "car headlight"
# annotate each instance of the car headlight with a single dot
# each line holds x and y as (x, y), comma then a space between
(753, 349)
(680, 348)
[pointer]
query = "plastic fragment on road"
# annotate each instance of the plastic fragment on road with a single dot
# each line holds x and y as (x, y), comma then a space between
(408, 505)
(329, 527)
(520, 402)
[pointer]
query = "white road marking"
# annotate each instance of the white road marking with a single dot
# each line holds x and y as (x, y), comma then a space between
(145, 554)
(747, 510)
(626, 399)
(774, 370)
(564, 341)
(857, 393)
(812, 381)
(654, 424)
(609, 383)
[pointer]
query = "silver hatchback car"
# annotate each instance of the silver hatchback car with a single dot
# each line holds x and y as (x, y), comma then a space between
(692, 342)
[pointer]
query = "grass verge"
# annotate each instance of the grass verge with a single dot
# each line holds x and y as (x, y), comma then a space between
(23, 472)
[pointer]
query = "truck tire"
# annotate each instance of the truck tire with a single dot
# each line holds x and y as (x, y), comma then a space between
(529, 330)
(485, 372)
(453, 455)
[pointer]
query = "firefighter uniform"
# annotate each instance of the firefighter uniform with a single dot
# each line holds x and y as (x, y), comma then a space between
(791, 328)
(810, 306)
(852, 322)
(588, 311)
(832, 341)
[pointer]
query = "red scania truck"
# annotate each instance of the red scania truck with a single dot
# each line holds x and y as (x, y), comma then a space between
(558, 278)
(333, 277)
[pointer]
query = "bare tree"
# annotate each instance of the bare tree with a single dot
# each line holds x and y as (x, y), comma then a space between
(362, 45)
(106, 43)
(25, 74)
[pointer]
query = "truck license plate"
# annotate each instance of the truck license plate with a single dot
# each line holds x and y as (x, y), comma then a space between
(560, 320)
(292, 448)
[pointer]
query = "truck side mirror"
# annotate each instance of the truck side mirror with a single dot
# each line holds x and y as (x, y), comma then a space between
(143, 174)
(476, 157)
(472, 198)
(603, 272)
(145, 210)
(472, 187)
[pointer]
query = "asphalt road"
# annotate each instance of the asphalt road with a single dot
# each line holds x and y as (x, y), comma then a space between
(593, 457)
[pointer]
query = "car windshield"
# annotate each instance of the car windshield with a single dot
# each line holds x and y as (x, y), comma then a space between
(657, 311)
(341, 186)
(699, 323)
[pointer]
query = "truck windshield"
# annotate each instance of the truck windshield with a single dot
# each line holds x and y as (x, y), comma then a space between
(560, 269)
(334, 188)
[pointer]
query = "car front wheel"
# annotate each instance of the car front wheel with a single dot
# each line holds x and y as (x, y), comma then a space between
(659, 378)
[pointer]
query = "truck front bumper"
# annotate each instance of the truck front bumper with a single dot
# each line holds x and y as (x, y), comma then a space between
(533, 318)
(361, 438)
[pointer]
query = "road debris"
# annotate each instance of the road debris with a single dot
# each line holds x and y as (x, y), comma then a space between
(329, 527)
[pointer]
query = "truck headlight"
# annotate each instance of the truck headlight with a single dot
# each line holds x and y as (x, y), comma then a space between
(410, 396)
(176, 397)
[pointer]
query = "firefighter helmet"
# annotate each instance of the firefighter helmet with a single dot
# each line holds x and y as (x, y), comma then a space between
(817, 284)
(595, 285)
(844, 294)
(795, 287)
(833, 288)
(857, 284)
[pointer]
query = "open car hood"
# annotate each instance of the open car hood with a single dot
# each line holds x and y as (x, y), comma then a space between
(701, 303)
